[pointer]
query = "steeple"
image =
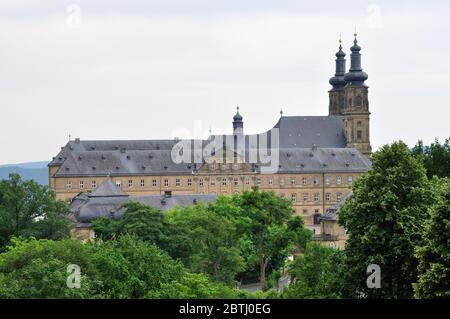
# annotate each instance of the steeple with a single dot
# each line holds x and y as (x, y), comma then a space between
(336, 94)
(355, 76)
(238, 124)
(337, 81)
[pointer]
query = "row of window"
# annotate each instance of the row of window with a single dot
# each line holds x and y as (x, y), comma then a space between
(316, 197)
(224, 182)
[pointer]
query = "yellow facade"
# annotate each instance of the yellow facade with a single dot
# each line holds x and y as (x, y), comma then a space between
(311, 194)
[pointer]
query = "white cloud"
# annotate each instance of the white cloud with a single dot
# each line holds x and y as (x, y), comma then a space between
(132, 75)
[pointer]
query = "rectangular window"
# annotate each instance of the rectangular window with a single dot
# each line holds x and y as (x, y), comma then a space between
(247, 181)
(338, 197)
(236, 181)
(224, 181)
(293, 180)
(359, 134)
(350, 180)
(224, 166)
(270, 180)
(130, 183)
(166, 183)
(315, 180)
(81, 184)
(189, 182)
(258, 181)
(94, 184)
(118, 183)
(213, 181)
(201, 182)
(293, 197)
(305, 211)
(177, 182)
(305, 180)
(338, 180)
(69, 184)
(281, 181)
(154, 183)
(327, 180)
(316, 197)
(142, 183)
(305, 197)
(327, 197)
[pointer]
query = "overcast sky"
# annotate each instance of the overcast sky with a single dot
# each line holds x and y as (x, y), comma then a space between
(153, 69)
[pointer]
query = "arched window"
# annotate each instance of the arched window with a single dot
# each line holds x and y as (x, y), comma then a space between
(358, 101)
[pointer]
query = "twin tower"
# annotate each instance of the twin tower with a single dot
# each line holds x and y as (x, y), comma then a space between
(349, 98)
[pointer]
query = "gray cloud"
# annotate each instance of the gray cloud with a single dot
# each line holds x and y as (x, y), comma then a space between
(141, 70)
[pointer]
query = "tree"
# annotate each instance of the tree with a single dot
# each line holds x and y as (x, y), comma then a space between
(38, 269)
(269, 224)
(129, 267)
(194, 286)
(435, 157)
(384, 219)
(212, 240)
(126, 267)
(30, 210)
(434, 255)
(316, 273)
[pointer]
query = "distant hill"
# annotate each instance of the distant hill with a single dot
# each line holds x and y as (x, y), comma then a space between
(37, 171)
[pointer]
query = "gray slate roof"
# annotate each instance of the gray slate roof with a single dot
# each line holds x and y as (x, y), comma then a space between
(331, 214)
(84, 208)
(297, 134)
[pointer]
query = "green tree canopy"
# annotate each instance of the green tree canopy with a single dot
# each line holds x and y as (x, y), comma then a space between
(316, 273)
(434, 254)
(269, 225)
(384, 219)
(435, 157)
(28, 209)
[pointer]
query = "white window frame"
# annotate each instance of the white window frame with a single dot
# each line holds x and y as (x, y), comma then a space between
(305, 180)
(81, 184)
(316, 197)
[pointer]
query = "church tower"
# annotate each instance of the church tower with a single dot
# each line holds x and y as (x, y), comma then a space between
(336, 94)
(356, 104)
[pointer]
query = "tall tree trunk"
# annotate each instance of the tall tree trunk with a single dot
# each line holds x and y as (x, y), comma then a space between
(262, 273)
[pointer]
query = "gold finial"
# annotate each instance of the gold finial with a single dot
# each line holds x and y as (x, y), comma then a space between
(355, 34)
(340, 38)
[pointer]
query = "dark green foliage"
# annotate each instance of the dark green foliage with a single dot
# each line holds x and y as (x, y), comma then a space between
(435, 157)
(316, 274)
(384, 219)
(434, 254)
(28, 209)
